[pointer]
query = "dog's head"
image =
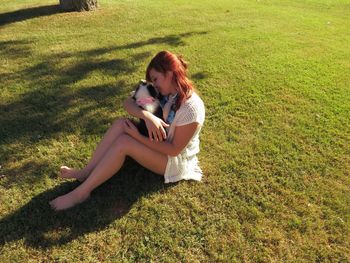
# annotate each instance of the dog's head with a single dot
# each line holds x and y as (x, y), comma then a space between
(145, 90)
(146, 96)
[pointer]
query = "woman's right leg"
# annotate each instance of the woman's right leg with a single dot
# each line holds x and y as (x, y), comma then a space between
(111, 135)
(110, 164)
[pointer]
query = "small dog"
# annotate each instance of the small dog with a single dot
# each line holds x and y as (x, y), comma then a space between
(148, 98)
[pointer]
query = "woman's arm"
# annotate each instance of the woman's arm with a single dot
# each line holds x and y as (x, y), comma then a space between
(133, 109)
(155, 125)
(182, 136)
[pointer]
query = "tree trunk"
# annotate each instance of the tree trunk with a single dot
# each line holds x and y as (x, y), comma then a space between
(78, 5)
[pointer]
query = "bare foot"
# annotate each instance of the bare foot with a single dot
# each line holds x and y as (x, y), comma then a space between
(69, 173)
(68, 200)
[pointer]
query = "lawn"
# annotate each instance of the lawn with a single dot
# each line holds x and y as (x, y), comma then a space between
(275, 147)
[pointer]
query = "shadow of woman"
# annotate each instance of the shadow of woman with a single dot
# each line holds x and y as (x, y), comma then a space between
(41, 227)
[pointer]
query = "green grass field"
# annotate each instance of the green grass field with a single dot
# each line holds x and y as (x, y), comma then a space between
(275, 148)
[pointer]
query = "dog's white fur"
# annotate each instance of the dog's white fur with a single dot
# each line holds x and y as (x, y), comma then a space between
(142, 93)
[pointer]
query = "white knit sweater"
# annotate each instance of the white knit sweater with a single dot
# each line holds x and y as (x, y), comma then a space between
(185, 165)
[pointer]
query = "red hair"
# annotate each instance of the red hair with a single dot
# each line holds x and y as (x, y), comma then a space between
(166, 61)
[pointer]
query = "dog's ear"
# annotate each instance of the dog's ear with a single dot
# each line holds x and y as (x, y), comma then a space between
(133, 93)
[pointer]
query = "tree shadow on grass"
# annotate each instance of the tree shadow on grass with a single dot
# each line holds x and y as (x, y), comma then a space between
(42, 113)
(200, 75)
(12, 49)
(29, 13)
(172, 40)
(42, 227)
(52, 105)
(43, 110)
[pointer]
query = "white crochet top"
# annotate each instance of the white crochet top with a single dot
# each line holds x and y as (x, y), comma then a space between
(185, 165)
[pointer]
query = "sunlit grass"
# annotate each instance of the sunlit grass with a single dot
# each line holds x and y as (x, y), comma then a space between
(274, 77)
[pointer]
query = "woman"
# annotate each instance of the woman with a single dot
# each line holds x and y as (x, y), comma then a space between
(172, 155)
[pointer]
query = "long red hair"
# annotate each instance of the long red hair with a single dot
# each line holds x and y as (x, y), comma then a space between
(166, 61)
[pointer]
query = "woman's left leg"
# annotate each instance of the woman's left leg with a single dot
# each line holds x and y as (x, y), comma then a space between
(109, 165)
(111, 135)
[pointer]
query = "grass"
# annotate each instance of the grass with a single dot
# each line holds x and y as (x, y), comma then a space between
(274, 76)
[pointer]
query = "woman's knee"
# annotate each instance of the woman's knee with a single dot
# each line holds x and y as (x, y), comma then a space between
(119, 122)
(118, 125)
(124, 143)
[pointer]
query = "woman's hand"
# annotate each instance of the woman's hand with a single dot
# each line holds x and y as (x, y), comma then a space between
(130, 129)
(155, 127)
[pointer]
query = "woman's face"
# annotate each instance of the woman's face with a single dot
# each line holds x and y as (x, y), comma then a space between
(162, 82)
